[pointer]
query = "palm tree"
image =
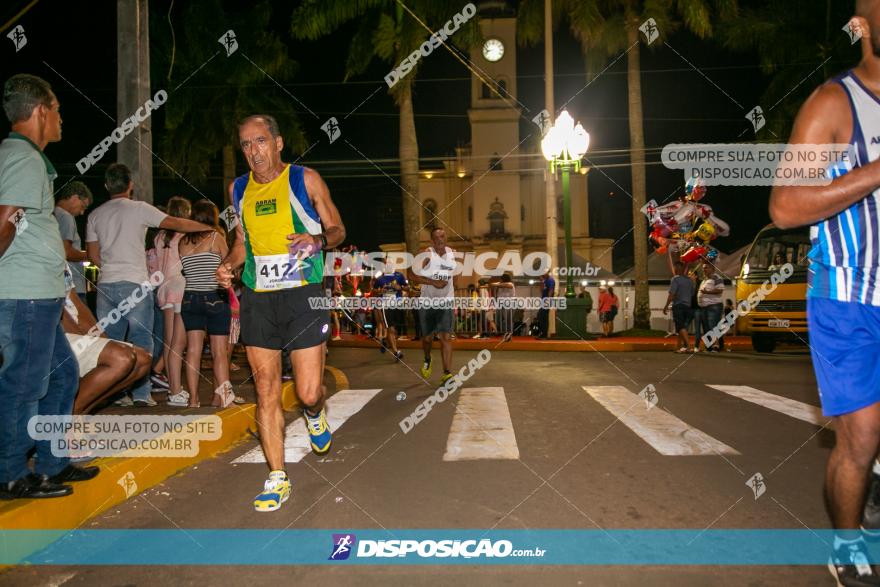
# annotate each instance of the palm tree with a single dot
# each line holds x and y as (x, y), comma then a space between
(605, 29)
(387, 33)
(200, 116)
(797, 48)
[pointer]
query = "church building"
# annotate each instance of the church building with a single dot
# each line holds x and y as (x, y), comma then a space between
(491, 195)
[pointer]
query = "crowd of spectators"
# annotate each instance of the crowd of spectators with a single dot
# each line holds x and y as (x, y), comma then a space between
(59, 355)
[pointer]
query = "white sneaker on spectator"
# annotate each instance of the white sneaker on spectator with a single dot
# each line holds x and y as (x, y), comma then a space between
(124, 402)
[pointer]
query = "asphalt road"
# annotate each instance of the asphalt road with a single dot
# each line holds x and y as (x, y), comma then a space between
(570, 446)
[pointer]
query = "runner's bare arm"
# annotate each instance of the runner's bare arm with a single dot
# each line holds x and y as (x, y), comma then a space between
(451, 277)
(421, 279)
(334, 230)
(824, 118)
(415, 277)
(235, 258)
(7, 228)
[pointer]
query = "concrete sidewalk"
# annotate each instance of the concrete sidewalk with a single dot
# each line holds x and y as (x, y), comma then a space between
(529, 343)
(123, 477)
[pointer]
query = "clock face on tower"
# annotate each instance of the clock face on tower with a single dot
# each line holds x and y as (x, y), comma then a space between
(493, 49)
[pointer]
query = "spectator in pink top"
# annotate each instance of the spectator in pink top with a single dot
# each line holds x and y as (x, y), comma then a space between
(170, 297)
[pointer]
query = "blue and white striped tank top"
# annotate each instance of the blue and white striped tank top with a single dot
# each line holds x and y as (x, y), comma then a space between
(845, 257)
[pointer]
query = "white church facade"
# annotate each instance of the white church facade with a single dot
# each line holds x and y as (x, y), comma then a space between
(491, 196)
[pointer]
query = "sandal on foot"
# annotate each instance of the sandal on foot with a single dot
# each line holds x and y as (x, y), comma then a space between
(180, 399)
(227, 396)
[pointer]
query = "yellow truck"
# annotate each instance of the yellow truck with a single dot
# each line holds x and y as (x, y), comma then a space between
(775, 295)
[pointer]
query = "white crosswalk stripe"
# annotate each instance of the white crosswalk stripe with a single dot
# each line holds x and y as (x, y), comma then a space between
(664, 432)
(340, 407)
(783, 405)
(481, 427)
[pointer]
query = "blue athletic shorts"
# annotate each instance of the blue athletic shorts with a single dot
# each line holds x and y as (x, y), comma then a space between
(845, 346)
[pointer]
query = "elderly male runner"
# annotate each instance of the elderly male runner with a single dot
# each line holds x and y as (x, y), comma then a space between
(286, 219)
(843, 296)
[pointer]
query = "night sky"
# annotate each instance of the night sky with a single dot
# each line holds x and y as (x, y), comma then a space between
(77, 40)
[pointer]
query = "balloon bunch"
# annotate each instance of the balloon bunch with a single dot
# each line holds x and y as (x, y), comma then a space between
(685, 227)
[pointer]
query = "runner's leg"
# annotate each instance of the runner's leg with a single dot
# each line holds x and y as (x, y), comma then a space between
(266, 367)
(446, 349)
(858, 438)
(308, 369)
(392, 338)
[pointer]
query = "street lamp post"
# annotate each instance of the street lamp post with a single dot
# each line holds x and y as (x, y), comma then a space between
(563, 146)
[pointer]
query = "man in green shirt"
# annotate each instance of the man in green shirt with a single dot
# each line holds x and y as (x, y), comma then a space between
(39, 374)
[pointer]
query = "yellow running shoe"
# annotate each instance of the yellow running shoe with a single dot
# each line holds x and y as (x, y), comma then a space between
(445, 377)
(319, 431)
(276, 491)
(426, 369)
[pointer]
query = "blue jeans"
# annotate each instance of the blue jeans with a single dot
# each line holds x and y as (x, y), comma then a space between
(39, 375)
(134, 325)
(711, 318)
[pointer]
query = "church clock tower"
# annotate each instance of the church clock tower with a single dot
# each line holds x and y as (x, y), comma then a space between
(490, 196)
(494, 118)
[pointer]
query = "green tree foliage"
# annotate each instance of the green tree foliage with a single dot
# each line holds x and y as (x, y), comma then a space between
(208, 91)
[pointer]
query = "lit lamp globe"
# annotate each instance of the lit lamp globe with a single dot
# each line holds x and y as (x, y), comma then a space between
(578, 142)
(565, 140)
(551, 144)
(565, 123)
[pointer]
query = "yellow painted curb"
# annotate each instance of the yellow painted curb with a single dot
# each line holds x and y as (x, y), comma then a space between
(339, 376)
(289, 401)
(120, 479)
(553, 345)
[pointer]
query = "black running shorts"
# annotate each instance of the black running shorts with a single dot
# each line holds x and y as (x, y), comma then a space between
(435, 320)
(395, 318)
(283, 319)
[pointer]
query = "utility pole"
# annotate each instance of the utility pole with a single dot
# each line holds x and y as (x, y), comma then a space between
(133, 90)
(550, 199)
